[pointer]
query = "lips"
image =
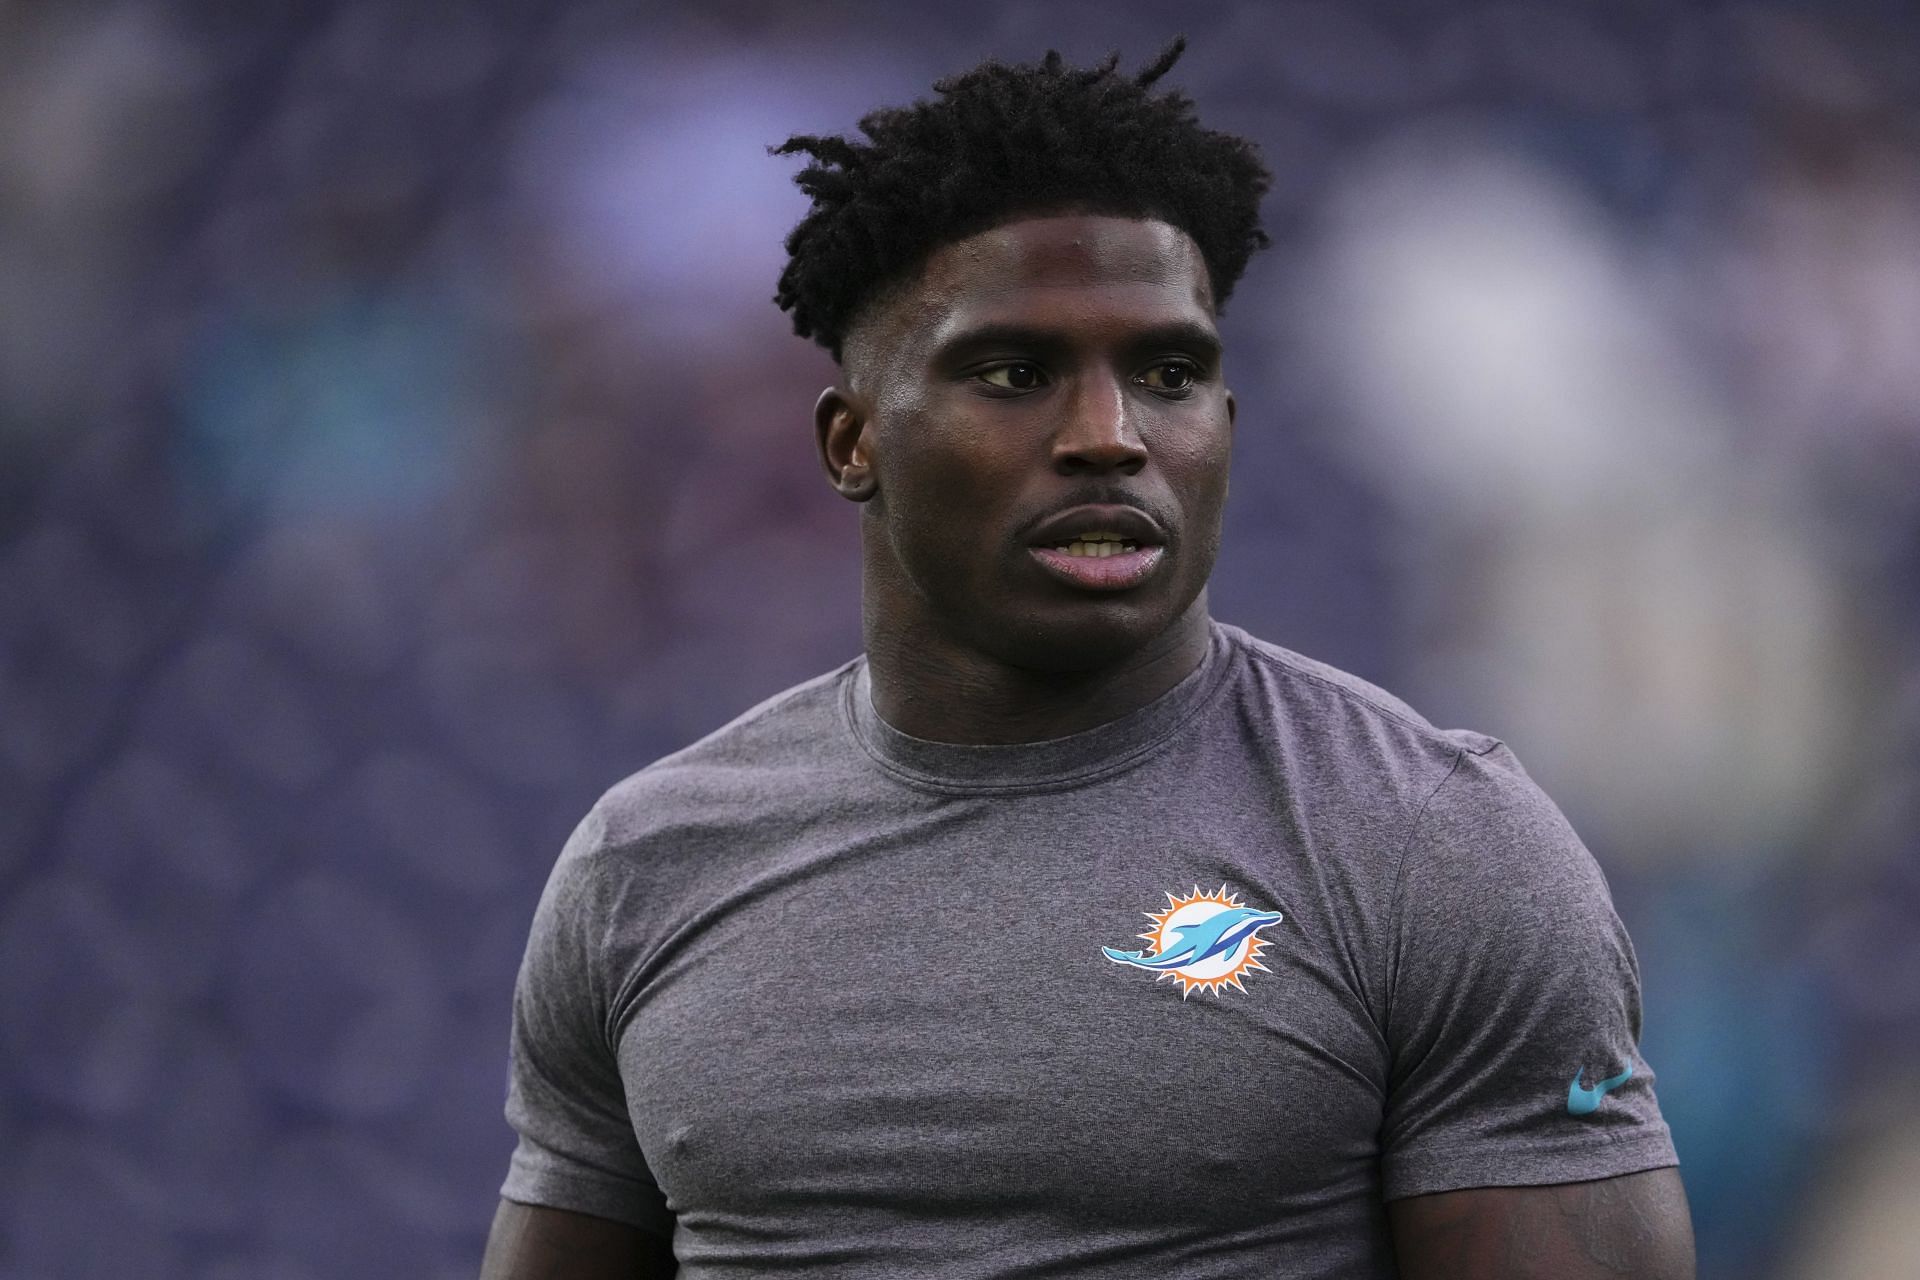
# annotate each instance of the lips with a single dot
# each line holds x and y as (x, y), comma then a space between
(1098, 546)
(1131, 523)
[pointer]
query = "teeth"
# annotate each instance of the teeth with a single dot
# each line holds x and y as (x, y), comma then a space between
(1099, 546)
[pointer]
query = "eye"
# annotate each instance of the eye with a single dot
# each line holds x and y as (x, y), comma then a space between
(1013, 377)
(1170, 375)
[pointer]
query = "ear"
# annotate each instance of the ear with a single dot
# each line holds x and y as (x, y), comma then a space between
(1233, 407)
(840, 419)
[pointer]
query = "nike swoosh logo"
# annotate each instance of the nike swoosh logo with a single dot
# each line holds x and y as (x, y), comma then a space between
(1583, 1100)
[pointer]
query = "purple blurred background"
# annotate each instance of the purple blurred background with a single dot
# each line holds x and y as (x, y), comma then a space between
(398, 446)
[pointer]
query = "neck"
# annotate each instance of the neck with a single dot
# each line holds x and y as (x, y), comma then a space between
(935, 687)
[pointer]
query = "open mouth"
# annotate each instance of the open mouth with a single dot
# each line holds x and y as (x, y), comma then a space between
(1099, 548)
(1096, 545)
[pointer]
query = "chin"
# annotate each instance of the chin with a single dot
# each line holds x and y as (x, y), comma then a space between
(1089, 637)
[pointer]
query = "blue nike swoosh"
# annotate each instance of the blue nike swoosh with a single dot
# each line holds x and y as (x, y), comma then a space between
(1584, 1101)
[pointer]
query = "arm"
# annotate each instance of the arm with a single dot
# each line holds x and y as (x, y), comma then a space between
(1635, 1225)
(533, 1243)
(579, 1199)
(1522, 1139)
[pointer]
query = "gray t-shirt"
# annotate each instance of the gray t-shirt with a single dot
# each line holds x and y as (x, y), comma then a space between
(1201, 988)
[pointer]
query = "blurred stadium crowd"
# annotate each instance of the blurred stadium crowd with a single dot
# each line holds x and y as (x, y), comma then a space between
(398, 445)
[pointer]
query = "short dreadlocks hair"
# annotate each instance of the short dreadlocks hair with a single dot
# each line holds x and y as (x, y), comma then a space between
(998, 143)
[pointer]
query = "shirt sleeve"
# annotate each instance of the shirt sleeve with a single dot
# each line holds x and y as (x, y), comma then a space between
(565, 1097)
(1513, 1001)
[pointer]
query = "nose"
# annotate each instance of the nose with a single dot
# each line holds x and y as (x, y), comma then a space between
(1097, 435)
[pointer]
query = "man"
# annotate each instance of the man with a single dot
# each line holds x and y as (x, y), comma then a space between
(858, 985)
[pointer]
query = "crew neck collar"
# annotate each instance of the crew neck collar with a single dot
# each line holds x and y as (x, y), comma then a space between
(1031, 766)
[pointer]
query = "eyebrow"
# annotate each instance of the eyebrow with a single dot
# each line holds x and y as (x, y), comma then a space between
(1186, 335)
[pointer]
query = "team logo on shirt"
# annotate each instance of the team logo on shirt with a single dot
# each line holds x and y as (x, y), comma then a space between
(1203, 941)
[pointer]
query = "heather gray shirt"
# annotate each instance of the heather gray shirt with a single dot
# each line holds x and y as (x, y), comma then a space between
(813, 995)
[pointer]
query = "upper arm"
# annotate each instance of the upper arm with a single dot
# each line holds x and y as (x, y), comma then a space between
(1512, 1003)
(529, 1242)
(1634, 1225)
(566, 1095)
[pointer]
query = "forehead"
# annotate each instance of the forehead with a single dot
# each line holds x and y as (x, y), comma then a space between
(1070, 251)
(1066, 268)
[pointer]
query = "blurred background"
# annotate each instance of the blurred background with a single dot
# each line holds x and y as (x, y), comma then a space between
(398, 446)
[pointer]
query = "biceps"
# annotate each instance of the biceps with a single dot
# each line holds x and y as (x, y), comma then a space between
(533, 1243)
(1636, 1225)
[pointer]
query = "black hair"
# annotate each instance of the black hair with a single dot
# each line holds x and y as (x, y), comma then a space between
(999, 142)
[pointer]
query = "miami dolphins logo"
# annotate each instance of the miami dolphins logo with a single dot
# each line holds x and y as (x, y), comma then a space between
(1203, 941)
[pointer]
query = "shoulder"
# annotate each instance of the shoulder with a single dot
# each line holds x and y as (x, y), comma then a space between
(1490, 832)
(1491, 856)
(768, 757)
(1346, 733)
(1312, 686)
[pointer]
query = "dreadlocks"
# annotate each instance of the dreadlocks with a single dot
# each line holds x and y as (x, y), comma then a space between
(1000, 142)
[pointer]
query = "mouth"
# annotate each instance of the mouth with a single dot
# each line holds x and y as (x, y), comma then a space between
(1099, 548)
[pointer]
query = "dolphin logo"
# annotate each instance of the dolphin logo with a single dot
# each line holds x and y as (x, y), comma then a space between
(1584, 1100)
(1189, 944)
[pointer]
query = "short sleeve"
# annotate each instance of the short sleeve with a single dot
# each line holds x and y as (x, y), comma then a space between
(565, 1097)
(1513, 1001)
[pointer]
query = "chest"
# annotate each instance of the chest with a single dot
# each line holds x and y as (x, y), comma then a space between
(966, 1019)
